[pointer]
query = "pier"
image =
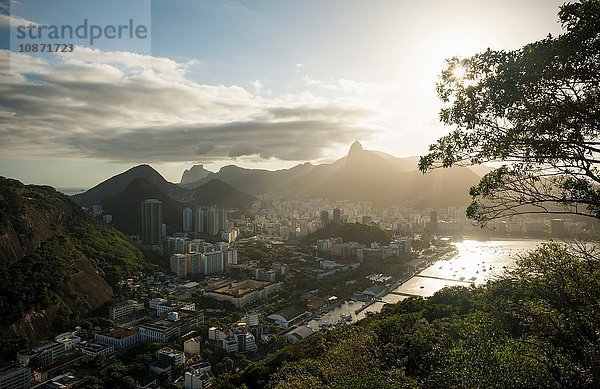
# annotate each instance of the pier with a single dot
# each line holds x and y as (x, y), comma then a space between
(445, 279)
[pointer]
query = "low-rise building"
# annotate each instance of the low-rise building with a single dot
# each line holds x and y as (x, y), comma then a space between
(175, 324)
(177, 358)
(167, 360)
(198, 378)
(120, 338)
(122, 309)
(69, 339)
(171, 306)
(244, 292)
(298, 333)
(230, 343)
(239, 341)
(313, 302)
(281, 269)
(62, 381)
(60, 365)
(216, 334)
(155, 302)
(94, 349)
(192, 346)
(288, 316)
(374, 292)
(14, 376)
(41, 355)
(266, 275)
(324, 245)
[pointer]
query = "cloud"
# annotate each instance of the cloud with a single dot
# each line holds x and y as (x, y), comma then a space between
(291, 141)
(7, 19)
(123, 106)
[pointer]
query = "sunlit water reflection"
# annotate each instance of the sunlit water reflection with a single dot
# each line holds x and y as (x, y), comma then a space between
(475, 263)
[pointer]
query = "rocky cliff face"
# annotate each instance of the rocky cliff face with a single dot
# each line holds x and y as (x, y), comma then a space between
(46, 263)
(193, 174)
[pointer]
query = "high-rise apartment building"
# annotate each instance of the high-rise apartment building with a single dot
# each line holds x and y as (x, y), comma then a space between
(222, 219)
(187, 219)
(178, 264)
(152, 220)
(198, 220)
(324, 219)
(212, 221)
(232, 256)
(337, 215)
(434, 221)
(213, 262)
(195, 263)
(303, 230)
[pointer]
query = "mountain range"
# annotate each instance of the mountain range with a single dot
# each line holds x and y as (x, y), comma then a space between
(362, 175)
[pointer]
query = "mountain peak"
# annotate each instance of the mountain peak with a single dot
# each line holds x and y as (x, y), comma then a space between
(355, 148)
(142, 167)
(119, 182)
(193, 174)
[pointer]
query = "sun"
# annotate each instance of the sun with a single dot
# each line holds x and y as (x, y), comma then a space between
(459, 72)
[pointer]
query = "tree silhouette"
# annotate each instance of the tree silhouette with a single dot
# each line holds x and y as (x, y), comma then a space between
(536, 110)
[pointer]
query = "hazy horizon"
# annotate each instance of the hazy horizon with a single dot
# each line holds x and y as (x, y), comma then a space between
(177, 179)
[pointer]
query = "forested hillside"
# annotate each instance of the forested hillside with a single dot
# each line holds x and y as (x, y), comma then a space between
(54, 258)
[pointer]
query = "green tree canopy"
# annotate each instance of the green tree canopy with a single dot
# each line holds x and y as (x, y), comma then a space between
(537, 111)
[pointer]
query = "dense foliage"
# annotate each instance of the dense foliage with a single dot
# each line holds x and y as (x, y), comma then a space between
(261, 252)
(112, 253)
(36, 281)
(536, 327)
(537, 111)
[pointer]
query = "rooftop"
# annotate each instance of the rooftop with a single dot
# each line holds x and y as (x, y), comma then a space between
(96, 347)
(290, 313)
(161, 364)
(39, 348)
(118, 332)
(162, 324)
(169, 352)
(301, 332)
(242, 288)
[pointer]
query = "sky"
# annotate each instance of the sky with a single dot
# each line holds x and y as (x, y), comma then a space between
(258, 84)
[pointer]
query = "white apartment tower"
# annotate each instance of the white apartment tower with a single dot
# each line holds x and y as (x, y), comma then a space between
(187, 220)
